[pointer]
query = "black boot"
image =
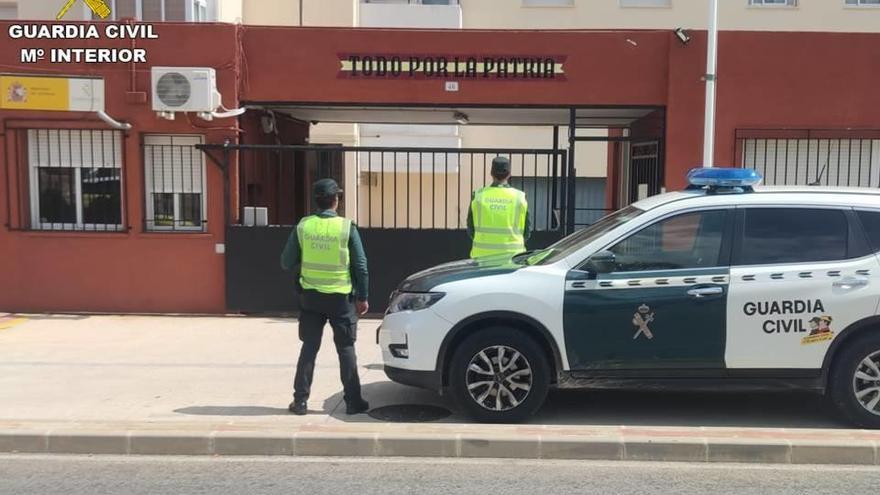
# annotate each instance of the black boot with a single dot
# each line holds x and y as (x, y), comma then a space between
(298, 407)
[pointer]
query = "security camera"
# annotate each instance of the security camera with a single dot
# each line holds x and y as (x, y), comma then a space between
(682, 36)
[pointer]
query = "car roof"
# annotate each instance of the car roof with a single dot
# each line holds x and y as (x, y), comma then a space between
(855, 196)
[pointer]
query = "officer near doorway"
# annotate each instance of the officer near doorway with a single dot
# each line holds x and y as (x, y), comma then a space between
(498, 219)
(333, 283)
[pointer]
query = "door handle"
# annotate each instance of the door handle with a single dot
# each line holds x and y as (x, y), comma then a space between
(847, 283)
(699, 292)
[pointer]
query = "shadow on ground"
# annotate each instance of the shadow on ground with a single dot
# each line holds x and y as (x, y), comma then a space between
(387, 393)
(657, 408)
(654, 408)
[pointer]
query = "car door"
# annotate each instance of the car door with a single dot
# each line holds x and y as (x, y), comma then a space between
(660, 303)
(800, 275)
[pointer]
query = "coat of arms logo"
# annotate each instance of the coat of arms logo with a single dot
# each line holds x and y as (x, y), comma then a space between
(641, 318)
(17, 93)
(99, 7)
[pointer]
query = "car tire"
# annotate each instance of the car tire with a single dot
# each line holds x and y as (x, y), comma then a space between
(516, 388)
(851, 391)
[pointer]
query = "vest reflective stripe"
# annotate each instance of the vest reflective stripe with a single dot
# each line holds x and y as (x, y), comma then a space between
(322, 267)
(320, 284)
(325, 258)
(493, 230)
(499, 215)
(500, 247)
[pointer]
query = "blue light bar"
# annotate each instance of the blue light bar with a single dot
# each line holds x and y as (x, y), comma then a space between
(724, 177)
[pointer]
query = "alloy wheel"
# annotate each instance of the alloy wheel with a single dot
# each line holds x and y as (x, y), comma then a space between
(499, 378)
(866, 383)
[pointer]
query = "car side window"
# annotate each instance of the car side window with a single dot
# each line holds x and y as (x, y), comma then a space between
(871, 225)
(792, 235)
(689, 240)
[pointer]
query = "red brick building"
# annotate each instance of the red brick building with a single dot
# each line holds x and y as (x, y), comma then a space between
(774, 89)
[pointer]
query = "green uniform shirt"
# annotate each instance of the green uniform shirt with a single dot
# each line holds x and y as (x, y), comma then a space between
(470, 218)
(292, 256)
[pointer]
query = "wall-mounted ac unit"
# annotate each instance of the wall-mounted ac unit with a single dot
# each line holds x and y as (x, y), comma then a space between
(185, 89)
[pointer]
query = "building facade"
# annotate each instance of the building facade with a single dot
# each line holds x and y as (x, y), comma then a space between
(140, 220)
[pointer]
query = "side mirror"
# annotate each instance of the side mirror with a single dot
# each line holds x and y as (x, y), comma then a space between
(602, 262)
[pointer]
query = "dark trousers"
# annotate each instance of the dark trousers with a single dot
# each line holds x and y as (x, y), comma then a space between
(315, 310)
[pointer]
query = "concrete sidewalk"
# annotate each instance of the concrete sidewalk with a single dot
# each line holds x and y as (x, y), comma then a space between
(220, 385)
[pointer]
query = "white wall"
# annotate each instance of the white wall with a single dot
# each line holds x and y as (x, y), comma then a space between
(394, 15)
(222, 10)
(8, 11)
(231, 11)
(40, 10)
(808, 15)
(403, 15)
(339, 13)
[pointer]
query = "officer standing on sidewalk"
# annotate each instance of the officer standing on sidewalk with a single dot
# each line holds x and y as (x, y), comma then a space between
(333, 281)
(498, 220)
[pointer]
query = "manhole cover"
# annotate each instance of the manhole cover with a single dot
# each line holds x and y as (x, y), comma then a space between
(409, 413)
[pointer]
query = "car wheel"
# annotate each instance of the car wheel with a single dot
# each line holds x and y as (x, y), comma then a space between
(855, 382)
(499, 375)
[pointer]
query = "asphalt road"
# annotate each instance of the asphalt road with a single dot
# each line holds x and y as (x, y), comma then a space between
(75, 475)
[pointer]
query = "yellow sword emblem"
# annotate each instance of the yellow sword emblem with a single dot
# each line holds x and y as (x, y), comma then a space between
(99, 7)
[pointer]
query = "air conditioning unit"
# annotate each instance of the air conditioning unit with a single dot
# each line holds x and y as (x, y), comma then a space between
(185, 89)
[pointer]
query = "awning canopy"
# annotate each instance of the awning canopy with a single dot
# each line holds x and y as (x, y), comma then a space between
(523, 116)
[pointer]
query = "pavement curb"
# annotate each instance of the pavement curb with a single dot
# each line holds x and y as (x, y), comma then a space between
(396, 444)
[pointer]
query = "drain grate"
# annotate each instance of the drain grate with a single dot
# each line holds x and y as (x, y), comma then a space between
(409, 413)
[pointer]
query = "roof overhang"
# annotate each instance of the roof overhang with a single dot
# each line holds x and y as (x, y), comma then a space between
(603, 117)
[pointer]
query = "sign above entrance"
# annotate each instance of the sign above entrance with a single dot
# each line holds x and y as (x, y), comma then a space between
(21, 92)
(476, 67)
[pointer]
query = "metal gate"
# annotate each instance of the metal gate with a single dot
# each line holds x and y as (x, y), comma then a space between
(410, 205)
(646, 170)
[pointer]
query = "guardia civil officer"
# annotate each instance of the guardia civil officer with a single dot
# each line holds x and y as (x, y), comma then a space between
(498, 220)
(333, 286)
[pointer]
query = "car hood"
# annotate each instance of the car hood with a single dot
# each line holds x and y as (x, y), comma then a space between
(426, 280)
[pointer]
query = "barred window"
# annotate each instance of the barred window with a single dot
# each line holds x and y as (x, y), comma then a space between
(853, 162)
(75, 179)
(174, 173)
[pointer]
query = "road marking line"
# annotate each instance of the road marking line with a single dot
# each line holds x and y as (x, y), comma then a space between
(5, 324)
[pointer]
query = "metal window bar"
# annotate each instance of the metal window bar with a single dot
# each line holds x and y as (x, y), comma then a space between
(58, 181)
(397, 206)
(849, 161)
(174, 182)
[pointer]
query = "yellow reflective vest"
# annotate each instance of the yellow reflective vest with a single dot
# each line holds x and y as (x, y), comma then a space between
(499, 216)
(325, 258)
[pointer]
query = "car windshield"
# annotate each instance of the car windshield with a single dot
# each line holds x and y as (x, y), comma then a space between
(577, 240)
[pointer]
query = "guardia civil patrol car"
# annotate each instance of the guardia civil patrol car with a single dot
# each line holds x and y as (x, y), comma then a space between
(720, 286)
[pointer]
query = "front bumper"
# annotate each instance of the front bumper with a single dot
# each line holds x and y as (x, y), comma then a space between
(411, 340)
(431, 380)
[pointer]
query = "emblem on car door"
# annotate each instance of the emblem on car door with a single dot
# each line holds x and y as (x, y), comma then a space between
(820, 330)
(641, 318)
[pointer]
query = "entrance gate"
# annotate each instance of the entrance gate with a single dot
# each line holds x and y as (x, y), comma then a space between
(410, 205)
(646, 172)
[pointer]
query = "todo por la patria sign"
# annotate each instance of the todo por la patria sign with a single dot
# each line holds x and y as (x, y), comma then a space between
(475, 67)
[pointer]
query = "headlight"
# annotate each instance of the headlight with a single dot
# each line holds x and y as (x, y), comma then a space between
(413, 301)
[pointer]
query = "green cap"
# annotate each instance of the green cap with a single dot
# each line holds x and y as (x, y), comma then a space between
(500, 166)
(325, 187)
